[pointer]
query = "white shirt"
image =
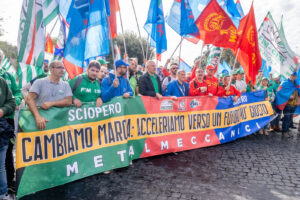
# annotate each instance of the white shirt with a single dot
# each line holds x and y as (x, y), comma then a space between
(240, 85)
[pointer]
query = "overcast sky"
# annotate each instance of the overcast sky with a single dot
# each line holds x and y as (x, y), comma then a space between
(10, 12)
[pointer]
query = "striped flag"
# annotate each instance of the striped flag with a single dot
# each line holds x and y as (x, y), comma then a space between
(31, 41)
(8, 67)
(50, 10)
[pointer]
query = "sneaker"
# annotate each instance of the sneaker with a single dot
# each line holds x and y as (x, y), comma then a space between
(287, 134)
(293, 127)
(107, 172)
(266, 132)
(261, 131)
(6, 197)
(11, 187)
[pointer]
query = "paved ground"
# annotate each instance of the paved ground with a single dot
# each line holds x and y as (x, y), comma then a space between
(255, 167)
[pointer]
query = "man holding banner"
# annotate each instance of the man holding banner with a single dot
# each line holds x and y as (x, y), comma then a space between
(149, 83)
(212, 81)
(116, 85)
(198, 86)
(49, 92)
(178, 88)
(86, 87)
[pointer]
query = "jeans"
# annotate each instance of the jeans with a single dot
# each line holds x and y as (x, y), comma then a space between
(275, 121)
(288, 113)
(9, 161)
(3, 182)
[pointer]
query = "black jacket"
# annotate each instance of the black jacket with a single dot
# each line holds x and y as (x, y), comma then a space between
(146, 87)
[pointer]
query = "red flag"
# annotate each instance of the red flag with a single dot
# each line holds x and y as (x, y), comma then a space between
(248, 53)
(114, 8)
(216, 27)
(49, 44)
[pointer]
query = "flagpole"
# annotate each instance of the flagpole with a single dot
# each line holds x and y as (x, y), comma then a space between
(220, 56)
(180, 48)
(147, 48)
(199, 66)
(237, 54)
(138, 30)
(176, 47)
(52, 29)
(124, 41)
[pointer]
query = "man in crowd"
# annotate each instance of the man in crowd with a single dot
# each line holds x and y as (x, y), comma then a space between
(86, 87)
(102, 73)
(240, 83)
(274, 84)
(7, 108)
(211, 80)
(9, 162)
(259, 77)
(116, 85)
(228, 89)
(46, 66)
(198, 86)
(133, 76)
(49, 92)
(178, 88)
(290, 107)
(149, 83)
(171, 77)
(233, 77)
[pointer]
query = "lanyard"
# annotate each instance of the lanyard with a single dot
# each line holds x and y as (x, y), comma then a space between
(181, 88)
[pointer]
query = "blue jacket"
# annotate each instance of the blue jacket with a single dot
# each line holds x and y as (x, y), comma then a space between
(108, 91)
(175, 89)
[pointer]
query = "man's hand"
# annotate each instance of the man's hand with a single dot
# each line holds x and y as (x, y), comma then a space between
(77, 103)
(210, 94)
(99, 102)
(227, 88)
(126, 95)
(46, 105)
(243, 91)
(41, 122)
(203, 89)
(1, 113)
(235, 98)
(174, 98)
(197, 62)
(159, 96)
(116, 82)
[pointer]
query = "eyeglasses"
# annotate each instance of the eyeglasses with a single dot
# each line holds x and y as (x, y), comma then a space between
(123, 67)
(61, 68)
(174, 68)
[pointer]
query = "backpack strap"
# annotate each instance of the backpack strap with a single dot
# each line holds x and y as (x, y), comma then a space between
(185, 89)
(195, 84)
(77, 83)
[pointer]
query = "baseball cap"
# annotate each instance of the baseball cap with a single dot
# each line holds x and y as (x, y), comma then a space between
(209, 67)
(102, 61)
(121, 62)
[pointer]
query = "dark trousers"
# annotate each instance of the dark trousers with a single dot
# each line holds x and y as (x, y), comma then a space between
(9, 161)
(275, 121)
(288, 113)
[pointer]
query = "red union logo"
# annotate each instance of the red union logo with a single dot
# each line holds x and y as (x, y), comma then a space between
(160, 29)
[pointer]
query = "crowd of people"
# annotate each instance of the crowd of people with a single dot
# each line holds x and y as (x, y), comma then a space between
(98, 86)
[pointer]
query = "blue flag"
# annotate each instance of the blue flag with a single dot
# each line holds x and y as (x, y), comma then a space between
(240, 9)
(181, 19)
(183, 65)
(265, 68)
(155, 27)
(224, 66)
(88, 33)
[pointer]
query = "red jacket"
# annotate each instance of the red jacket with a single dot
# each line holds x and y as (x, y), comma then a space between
(194, 89)
(212, 85)
(232, 91)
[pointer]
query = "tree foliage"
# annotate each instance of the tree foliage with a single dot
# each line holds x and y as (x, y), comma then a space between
(10, 51)
(1, 28)
(133, 47)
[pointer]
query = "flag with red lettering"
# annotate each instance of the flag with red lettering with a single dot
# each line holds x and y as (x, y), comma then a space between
(49, 44)
(216, 27)
(248, 53)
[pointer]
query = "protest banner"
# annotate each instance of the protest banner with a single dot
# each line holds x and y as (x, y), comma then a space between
(80, 142)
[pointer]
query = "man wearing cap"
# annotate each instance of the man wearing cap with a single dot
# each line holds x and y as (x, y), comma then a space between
(116, 85)
(228, 89)
(49, 92)
(149, 83)
(198, 86)
(178, 88)
(240, 84)
(86, 87)
(291, 104)
(211, 80)
(233, 77)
